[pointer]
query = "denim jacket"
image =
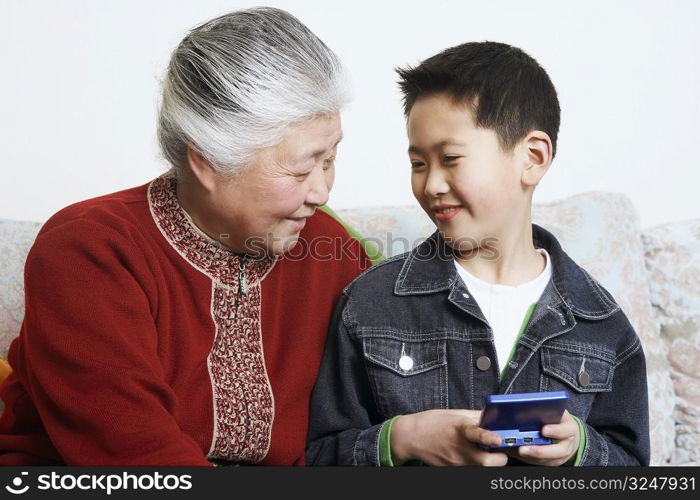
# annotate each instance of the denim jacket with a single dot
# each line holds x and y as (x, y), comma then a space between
(577, 340)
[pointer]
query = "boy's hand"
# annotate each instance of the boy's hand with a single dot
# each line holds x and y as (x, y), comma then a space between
(566, 432)
(444, 437)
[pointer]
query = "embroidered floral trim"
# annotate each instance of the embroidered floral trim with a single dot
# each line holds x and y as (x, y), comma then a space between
(243, 403)
(242, 394)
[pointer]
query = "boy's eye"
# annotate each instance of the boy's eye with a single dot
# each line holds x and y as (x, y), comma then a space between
(449, 158)
(417, 164)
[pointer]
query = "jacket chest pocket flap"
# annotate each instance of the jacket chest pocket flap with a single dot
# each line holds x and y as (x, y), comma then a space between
(406, 377)
(405, 358)
(579, 368)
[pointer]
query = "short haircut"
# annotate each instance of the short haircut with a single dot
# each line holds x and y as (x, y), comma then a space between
(235, 83)
(510, 92)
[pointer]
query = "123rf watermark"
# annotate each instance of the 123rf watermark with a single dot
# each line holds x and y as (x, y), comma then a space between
(107, 483)
(626, 483)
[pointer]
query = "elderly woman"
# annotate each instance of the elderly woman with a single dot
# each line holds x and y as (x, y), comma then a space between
(164, 324)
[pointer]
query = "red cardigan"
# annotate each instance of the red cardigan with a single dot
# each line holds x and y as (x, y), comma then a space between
(140, 346)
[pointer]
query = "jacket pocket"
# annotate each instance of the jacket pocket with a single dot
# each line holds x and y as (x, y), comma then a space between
(406, 376)
(581, 371)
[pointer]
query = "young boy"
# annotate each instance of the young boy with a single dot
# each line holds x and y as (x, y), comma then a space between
(489, 304)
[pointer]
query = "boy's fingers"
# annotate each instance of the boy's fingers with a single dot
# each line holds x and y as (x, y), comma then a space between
(544, 452)
(560, 431)
(472, 415)
(495, 459)
(481, 436)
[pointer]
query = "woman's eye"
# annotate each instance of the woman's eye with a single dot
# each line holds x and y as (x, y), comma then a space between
(449, 159)
(328, 163)
(417, 164)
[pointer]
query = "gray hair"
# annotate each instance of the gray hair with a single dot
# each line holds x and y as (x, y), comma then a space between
(235, 83)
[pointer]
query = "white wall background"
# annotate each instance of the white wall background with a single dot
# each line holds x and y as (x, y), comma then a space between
(79, 83)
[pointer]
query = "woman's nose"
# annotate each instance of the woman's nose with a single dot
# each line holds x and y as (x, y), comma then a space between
(319, 188)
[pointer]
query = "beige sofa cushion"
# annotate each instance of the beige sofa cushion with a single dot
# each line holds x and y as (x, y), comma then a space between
(673, 261)
(16, 237)
(601, 232)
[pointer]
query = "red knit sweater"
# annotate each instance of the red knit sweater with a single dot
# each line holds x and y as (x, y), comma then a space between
(140, 347)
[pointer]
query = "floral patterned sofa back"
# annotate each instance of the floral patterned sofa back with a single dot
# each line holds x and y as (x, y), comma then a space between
(15, 240)
(654, 276)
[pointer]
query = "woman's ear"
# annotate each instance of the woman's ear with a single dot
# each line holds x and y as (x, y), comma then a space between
(538, 150)
(201, 169)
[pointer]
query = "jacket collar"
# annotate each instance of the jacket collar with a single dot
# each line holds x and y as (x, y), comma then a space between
(429, 268)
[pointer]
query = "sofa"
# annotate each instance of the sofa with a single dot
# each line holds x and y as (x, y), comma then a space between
(654, 274)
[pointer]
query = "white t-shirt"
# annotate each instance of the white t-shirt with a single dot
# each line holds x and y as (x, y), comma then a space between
(504, 306)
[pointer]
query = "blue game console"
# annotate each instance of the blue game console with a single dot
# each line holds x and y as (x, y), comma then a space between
(518, 418)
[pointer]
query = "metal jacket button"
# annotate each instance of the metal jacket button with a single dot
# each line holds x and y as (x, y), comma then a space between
(406, 363)
(483, 363)
(584, 379)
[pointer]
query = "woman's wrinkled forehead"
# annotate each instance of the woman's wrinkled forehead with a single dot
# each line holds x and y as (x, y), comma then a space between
(313, 138)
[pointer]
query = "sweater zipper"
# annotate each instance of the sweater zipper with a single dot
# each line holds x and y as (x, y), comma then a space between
(242, 281)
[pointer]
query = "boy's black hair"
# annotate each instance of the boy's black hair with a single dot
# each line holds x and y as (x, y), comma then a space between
(511, 93)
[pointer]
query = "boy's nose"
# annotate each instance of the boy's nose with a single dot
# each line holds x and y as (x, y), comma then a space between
(436, 184)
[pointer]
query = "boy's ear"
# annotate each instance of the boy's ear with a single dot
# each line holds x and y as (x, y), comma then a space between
(538, 150)
(201, 169)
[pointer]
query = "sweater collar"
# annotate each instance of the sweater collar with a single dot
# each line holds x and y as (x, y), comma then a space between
(202, 252)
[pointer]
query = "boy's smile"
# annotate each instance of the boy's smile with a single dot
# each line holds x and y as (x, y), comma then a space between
(445, 212)
(461, 176)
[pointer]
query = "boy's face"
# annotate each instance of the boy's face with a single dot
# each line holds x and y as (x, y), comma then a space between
(468, 186)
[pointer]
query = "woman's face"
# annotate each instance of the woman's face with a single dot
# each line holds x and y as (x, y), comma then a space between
(266, 206)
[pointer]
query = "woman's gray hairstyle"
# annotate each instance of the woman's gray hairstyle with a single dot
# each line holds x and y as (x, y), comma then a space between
(236, 82)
